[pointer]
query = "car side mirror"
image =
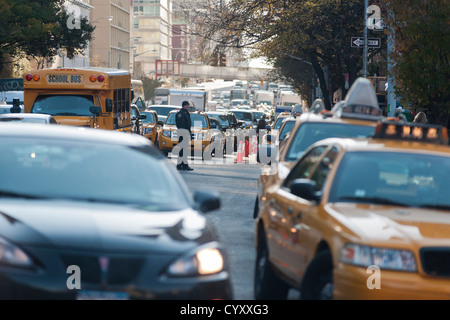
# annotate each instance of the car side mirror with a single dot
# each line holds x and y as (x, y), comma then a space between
(206, 201)
(143, 116)
(108, 105)
(95, 110)
(304, 188)
(160, 122)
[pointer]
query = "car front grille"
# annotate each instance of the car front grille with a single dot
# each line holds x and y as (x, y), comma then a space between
(115, 271)
(436, 261)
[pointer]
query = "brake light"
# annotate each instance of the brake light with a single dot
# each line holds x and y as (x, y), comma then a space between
(100, 78)
(28, 77)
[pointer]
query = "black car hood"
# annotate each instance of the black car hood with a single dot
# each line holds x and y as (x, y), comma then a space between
(106, 227)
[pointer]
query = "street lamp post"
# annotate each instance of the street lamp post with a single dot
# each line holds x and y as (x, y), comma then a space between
(119, 62)
(134, 60)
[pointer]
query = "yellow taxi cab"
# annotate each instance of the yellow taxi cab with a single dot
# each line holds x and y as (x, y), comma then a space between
(278, 121)
(201, 136)
(150, 125)
(360, 219)
(356, 117)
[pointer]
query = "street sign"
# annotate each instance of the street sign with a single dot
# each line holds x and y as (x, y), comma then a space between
(358, 42)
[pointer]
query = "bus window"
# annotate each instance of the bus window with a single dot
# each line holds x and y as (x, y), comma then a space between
(62, 105)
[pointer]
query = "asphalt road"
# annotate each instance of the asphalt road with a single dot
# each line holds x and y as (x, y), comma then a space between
(237, 186)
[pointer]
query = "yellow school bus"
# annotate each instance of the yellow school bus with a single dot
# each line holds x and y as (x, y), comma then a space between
(87, 97)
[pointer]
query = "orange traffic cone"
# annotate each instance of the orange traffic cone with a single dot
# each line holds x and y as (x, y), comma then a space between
(240, 156)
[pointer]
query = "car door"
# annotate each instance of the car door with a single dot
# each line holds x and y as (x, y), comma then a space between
(301, 237)
(281, 206)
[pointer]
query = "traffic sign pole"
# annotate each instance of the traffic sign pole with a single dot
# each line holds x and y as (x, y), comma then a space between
(365, 40)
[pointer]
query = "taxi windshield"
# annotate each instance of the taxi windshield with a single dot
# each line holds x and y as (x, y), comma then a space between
(63, 105)
(198, 120)
(162, 111)
(311, 132)
(150, 118)
(393, 178)
(278, 123)
(62, 169)
(286, 128)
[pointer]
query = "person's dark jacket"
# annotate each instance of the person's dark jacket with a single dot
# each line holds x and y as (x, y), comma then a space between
(183, 120)
(262, 124)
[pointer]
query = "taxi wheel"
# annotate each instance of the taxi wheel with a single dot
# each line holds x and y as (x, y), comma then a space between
(267, 286)
(256, 208)
(318, 280)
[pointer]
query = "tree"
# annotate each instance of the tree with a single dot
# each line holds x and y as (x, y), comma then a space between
(317, 32)
(149, 87)
(421, 55)
(39, 28)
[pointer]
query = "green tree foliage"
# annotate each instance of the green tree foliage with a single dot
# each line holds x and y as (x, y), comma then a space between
(149, 87)
(39, 28)
(318, 32)
(421, 55)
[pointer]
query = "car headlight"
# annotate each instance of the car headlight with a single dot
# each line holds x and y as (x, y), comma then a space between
(205, 261)
(392, 259)
(13, 255)
(201, 136)
(166, 133)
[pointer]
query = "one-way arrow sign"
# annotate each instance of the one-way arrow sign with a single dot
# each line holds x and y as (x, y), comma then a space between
(358, 42)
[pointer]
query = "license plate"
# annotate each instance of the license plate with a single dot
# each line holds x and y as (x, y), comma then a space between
(101, 295)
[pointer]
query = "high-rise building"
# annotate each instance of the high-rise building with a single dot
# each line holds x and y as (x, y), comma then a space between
(112, 44)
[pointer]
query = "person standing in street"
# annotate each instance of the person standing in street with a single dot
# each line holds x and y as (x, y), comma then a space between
(183, 121)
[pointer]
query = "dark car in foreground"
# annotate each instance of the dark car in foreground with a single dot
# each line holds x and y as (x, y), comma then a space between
(95, 214)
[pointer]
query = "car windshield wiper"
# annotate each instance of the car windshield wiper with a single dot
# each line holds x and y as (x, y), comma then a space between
(11, 194)
(376, 200)
(435, 206)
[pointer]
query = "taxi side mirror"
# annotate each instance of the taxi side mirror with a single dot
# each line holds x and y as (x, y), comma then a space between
(206, 201)
(142, 116)
(304, 188)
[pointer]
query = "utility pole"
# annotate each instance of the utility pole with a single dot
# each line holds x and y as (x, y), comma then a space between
(365, 40)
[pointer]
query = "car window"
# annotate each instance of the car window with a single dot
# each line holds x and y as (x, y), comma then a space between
(162, 111)
(286, 129)
(75, 105)
(278, 123)
(198, 120)
(303, 168)
(90, 172)
(323, 169)
(311, 132)
(150, 118)
(393, 177)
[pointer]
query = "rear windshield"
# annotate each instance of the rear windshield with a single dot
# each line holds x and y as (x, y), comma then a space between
(311, 132)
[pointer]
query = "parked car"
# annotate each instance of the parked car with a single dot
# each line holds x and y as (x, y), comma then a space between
(28, 117)
(97, 214)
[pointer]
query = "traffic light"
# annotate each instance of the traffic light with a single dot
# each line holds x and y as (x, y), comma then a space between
(223, 60)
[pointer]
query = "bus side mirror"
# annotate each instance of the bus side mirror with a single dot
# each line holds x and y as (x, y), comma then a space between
(95, 110)
(109, 105)
(132, 94)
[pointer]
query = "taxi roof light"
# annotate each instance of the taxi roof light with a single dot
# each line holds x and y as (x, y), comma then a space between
(411, 132)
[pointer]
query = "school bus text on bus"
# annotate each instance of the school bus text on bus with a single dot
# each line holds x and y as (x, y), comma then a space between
(88, 97)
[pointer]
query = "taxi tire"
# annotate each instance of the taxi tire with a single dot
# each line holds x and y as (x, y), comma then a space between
(318, 277)
(269, 287)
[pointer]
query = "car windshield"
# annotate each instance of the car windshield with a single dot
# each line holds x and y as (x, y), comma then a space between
(62, 169)
(150, 118)
(405, 179)
(63, 105)
(242, 115)
(311, 132)
(223, 119)
(197, 120)
(278, 123)
(257, 115)
(162, 111)
(286, 129)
